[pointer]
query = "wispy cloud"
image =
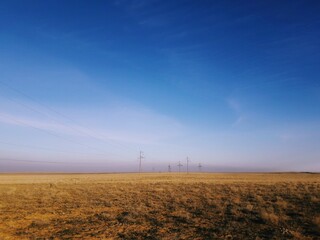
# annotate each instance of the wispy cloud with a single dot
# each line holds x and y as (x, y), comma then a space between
(33, 123)
(239, 120)
(294, 133)
(122, 123)
(134, 4)
(236, 107)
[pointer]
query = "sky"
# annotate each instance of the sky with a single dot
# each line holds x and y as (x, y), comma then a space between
(86, 85)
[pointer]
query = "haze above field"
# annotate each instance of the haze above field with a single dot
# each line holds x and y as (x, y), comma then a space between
(86, 85)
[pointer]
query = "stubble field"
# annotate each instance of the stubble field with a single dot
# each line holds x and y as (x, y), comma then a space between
(160, 206)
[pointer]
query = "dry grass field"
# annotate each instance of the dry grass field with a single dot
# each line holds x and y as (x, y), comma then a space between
(160, 206)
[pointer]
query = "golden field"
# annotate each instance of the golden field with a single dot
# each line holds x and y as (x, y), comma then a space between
(160, 206)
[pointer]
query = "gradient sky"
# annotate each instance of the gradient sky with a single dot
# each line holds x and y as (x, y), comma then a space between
(86, 85)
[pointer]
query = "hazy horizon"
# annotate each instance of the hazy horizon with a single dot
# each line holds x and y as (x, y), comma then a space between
(85, 86)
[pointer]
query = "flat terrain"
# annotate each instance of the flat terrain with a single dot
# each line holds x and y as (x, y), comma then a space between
(160, 206)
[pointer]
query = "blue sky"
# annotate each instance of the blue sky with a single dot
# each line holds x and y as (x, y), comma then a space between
(86, 85)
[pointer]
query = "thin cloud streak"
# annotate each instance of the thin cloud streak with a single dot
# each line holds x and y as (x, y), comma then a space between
(236, 107)
(30, 123)
(123, 125)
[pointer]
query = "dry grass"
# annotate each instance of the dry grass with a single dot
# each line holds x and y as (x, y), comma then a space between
(160, 206)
